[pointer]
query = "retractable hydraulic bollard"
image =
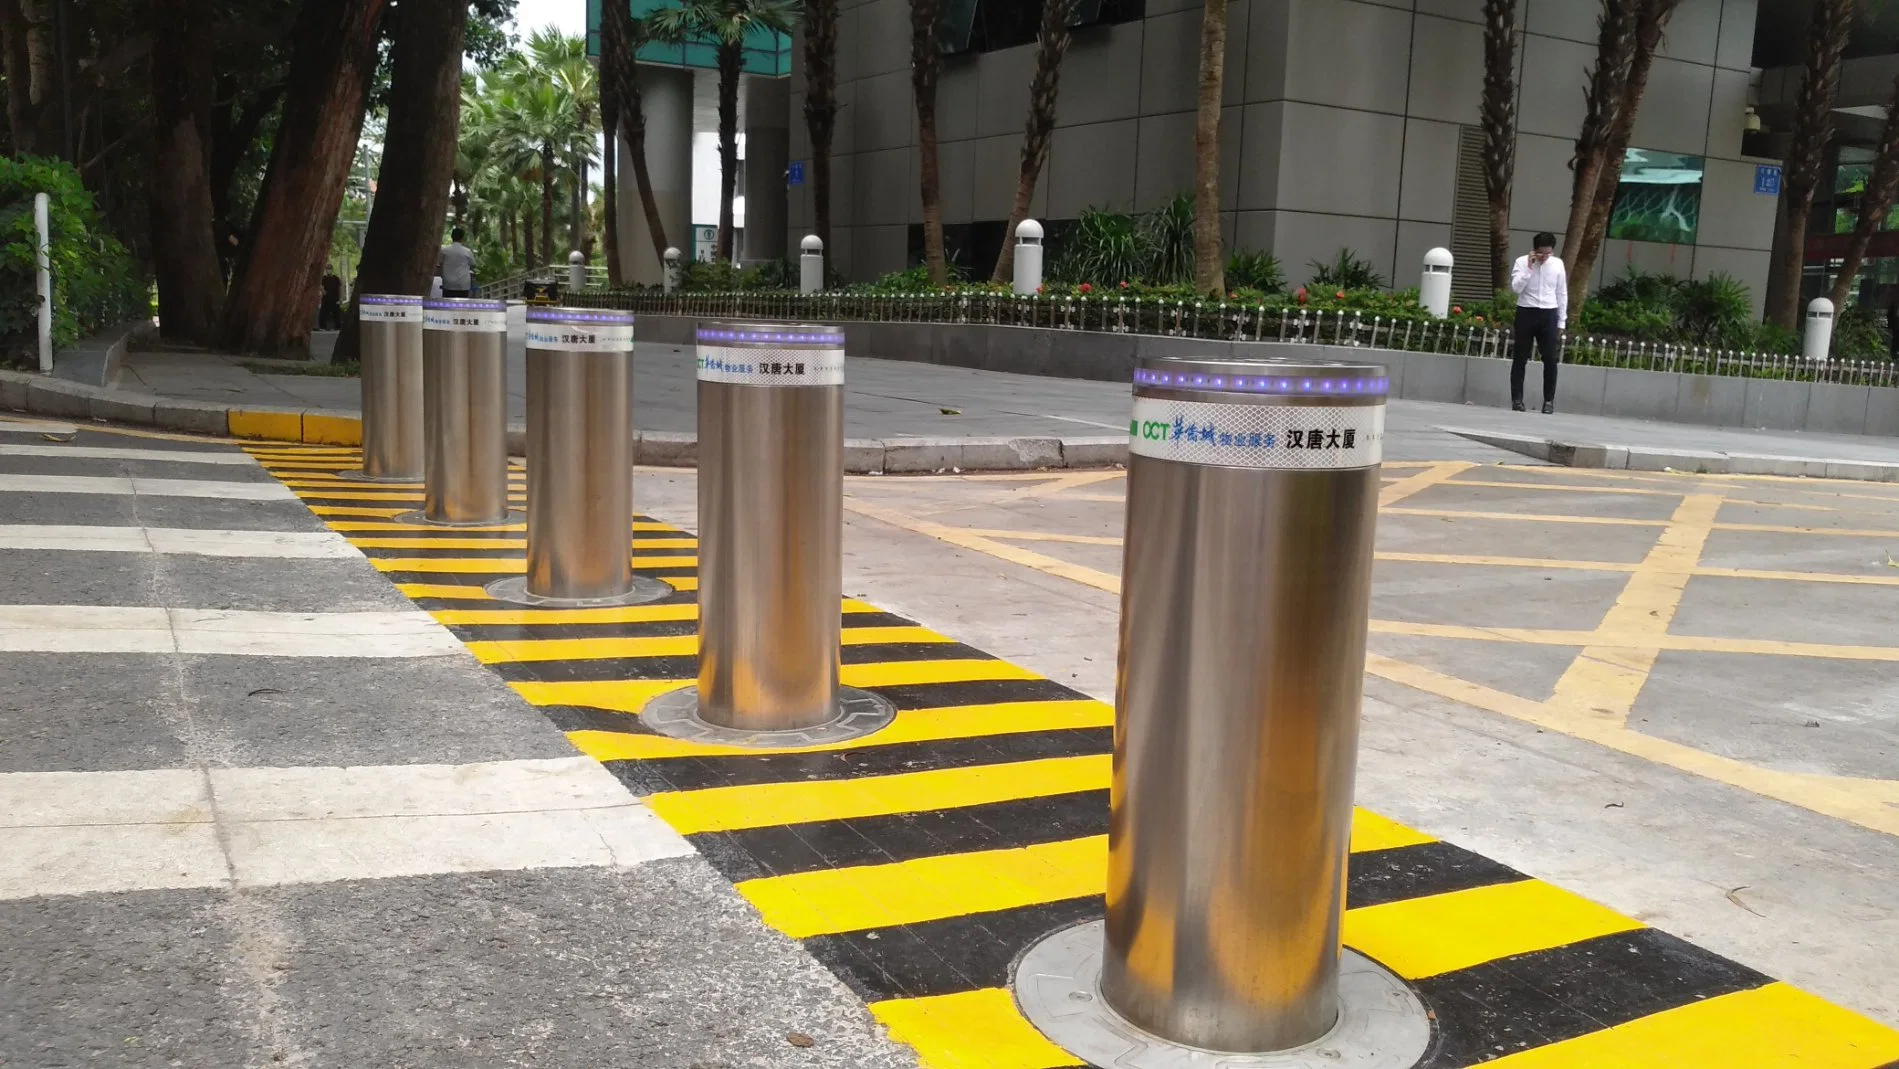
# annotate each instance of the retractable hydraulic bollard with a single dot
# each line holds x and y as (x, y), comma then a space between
(1246, 582)
(392, 386)
(579, 463)
(771, 516)
(465, 411)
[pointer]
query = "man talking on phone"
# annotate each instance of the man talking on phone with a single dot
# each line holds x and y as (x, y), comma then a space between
(1542, 288)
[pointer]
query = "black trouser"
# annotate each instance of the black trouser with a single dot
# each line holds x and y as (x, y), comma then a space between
(1538, 326)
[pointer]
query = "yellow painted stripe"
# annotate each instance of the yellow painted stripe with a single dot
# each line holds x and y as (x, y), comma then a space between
(587, 649)
(1771, 1027)
(350, 526)
(257, 423)
(443, 591)
(361, 511)
(912, 673)
(1505, 562)
(1422, 937)
(767, 804)
(908, 892)
(451, 541)
(979, 1029)
(365, 495)
(631, 695)
(621, 614)
(1525, 517)
(918, 725)
(332, 430)
(500, 565)
(619, 695)
(824, 901)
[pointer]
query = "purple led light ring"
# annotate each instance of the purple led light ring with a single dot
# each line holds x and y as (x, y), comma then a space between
(464, 304)
(770, 338)
(396, 299)
(568, 315)
(1378, 386)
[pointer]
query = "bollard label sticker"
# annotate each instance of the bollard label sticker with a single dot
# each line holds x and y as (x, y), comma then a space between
(389, 313)
(464, 319)
(1258, 436)
(581, 338)
(771, 367)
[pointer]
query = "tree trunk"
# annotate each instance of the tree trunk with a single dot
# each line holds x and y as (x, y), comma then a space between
(531, 251)
(1499, 116)
(1051, 46)
(820, 108)
(610, 204)
(404, 236)
(1651, 21)
(547, 205)
(1615, 50)
(730, 60)
(274, 286)
(1813, 126)
(623, 74)
(1881, 187)
(33, 116)
(184, 236)
(926, 66)
(231, 142)
(613, 45)
(580, 224)
(1209, 261)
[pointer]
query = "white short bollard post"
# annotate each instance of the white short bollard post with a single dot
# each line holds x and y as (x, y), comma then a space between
(576, 271)
(1028, 257)
(43, 277)
(1819, 336)
(811, 264)
(1434, 289)
(670, 275)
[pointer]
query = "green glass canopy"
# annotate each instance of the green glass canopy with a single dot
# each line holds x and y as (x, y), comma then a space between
(766, 53)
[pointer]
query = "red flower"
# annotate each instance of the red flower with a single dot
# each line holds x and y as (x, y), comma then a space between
(1087, 287)
(1041, 289)
(1301, 295)
(1124, 285)
(1340, 295)
(1479, 319)
(1234, 296)
(1457, 309)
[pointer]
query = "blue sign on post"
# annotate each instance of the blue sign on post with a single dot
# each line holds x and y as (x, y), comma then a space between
(794, 175)
(1767, 179)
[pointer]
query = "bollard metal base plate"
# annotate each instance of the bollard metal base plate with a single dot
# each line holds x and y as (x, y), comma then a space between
(418, 518)
(514, 589)
(859, 713)
(1382, 1025)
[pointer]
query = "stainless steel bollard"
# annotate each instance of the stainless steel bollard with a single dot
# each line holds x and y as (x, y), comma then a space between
(579, 453)
(465, 410)
(771, 518)
(1252, 498)
(392, 386)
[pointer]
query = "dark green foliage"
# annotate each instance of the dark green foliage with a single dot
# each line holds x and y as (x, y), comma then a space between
(95, 282)
(1168, 234)
(1714, 311)
(1255, 271)
(1103, 247)
(1347, 271)
(723, 277)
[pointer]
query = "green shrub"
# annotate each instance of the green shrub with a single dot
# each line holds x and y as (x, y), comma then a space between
(1858, 334)
(1104, 247)
(1167, 231)
(1257, 271)
(95, 281)
(1347, 271)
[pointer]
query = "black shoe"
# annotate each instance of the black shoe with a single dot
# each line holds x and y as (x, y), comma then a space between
(1549, 407)
(1516, 406)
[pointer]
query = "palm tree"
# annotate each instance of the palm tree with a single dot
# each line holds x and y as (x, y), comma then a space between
(621, 36)
(1051, 45)
(1881, 187)
(926, 64)
(726, 23)
(820, 106)
(537, 130)
(1615, 50)
(562, 61)
(1209, 266)
(1813, 127)
(1499, 114)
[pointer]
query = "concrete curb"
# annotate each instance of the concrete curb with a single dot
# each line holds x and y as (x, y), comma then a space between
(1702, 462)
(41, 395)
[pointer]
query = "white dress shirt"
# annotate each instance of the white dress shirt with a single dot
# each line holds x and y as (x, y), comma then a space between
(1545, 285)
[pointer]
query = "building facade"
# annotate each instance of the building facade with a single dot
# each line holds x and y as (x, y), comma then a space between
(1348, 124)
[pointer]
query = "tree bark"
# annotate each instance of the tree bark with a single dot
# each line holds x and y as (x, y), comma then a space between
(184, 234)
(731, 59)
(820, 107)
(1499, 116)
(547, 205)
(1615, 50)
(232, 138)
(1209, 261)
(926, 67)
(33, 116)
(610, 204)
(1051, 45)
(404, 236)
(1813, 126)
(1881, 188)
(529, 250)
(613, 44)
(274, 286)
(1651, 21)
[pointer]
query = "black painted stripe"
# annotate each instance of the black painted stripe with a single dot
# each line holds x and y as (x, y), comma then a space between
(1531, 1000)
(912, 962)
(533, 632)
(499, 553)
(978, 692)
(832, 844)
(687, 667)
(697, 773)
(484, 578)
(587, 718)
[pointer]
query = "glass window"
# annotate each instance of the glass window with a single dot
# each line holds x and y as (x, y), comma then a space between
(1659, 198)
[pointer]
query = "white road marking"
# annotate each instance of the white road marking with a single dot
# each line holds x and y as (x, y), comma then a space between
(86, 452)
(14, 426)
(135, 629)
(213, 543)
(81, 832)
(112, 484)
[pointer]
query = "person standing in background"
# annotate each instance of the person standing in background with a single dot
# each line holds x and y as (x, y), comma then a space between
(456, 266)
(1542, 287)
(330, 312)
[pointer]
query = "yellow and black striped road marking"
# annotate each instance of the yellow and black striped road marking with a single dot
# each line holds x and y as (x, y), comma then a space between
(918, 862)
